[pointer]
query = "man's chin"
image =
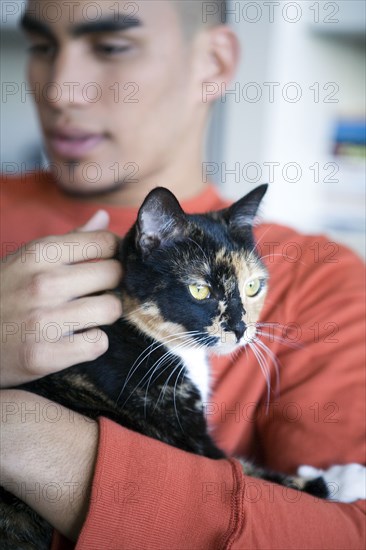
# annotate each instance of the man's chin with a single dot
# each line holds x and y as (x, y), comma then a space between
(85, 177)
(86, 190)
(87, 181)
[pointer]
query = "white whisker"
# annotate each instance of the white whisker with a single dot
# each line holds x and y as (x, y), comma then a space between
(148, 351)
(154, 367)
(276, 338)
(200, 247)
(289, 258)
(158, 364)
(274, 324)
(174, 396)
(263, 366)
(254, 249)
(275, 361)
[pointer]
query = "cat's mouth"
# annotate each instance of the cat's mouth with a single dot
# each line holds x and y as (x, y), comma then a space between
(228, 342)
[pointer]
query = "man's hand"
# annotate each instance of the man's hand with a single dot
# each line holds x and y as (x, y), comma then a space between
(47, 303)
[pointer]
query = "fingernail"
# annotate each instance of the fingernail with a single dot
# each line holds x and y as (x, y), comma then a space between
(100, 220)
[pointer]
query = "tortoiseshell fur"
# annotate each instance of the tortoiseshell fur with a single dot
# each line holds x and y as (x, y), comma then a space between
(137, 382)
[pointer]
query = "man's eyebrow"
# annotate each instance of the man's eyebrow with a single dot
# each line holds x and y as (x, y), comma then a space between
(107, 24)
(32, 25)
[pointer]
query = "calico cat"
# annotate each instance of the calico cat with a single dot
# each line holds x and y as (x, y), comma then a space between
(192, 285)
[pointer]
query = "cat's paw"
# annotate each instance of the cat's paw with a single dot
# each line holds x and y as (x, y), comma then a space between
(345, 483)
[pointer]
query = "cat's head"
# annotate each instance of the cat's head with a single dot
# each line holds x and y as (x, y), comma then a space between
(194, 280)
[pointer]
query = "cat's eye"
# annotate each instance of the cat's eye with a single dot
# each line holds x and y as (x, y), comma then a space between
(253, 287)
(199, 292)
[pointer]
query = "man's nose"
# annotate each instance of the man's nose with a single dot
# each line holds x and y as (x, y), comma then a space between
(69, 83)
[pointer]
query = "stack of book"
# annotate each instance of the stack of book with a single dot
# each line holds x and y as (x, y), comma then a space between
(350, 139)
(344, 200)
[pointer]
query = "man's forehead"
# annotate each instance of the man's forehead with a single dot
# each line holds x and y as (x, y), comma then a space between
(121, 14)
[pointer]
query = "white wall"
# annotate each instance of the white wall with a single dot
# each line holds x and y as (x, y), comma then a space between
(19, 130)
(322, 57)
(302, 132)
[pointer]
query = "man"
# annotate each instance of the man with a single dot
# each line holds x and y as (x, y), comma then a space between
(99, 484)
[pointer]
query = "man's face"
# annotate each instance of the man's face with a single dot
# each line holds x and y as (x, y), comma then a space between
(114, 87)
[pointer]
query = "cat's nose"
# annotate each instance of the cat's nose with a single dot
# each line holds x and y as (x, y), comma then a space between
(239, 329)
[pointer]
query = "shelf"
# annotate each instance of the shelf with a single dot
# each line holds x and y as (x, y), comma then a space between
(345, 19)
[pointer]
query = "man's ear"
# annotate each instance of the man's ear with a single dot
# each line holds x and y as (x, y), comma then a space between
(220, 54)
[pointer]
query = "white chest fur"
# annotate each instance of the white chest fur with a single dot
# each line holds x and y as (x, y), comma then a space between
(196, 362)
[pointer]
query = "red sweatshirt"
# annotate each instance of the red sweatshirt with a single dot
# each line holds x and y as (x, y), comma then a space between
(148, 495)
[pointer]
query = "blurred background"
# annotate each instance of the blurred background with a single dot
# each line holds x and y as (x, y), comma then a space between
(294, 116)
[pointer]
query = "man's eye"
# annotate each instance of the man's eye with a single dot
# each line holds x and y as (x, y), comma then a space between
(111, 49)
(42, 50)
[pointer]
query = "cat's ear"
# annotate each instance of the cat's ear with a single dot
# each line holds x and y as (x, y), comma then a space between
(160, 220)
(242, 213)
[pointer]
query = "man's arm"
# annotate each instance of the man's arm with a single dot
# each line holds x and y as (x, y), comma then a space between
(49, 321)
(148, 495)
(47, 458)
(145, 492)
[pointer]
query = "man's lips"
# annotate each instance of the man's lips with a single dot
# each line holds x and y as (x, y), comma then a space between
(74, 144)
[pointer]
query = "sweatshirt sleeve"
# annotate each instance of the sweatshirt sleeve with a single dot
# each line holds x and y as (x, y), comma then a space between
(148, 495)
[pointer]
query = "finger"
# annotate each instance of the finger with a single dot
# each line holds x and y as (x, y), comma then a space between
(78, 315)
(53, 288)
(68, 351)
(88, 278)
(99, 221)
(71, 248)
